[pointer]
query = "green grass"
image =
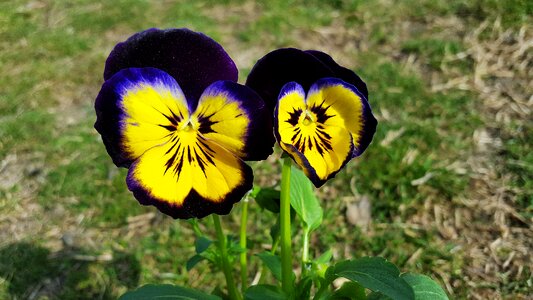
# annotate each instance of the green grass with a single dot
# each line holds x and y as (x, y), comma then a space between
(422, 117)
(517, 159)
(52, 55)
(275, 18)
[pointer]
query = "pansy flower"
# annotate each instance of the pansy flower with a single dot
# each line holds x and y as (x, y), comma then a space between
(171, 112)
(322, 117)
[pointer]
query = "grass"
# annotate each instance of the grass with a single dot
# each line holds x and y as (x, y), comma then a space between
(71, 230)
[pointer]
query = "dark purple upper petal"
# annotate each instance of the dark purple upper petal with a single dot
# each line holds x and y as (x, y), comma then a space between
(340, 71)
(192, 58)
(278, 67)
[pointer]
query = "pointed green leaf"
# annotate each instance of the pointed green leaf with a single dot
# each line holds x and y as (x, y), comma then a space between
(303, 288)
(264, 292)
(167, 292)
(424, 287)
(330, 275)
(201, 244)
(272, 262)
(267, 198)
(193, 261)
(303, 199)
(325, 257)
(376, 274)
(321, 264)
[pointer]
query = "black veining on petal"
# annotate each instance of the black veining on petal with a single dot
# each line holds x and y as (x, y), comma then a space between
(295, 115)
(173, 119)
(320, 140)
(200, 153)
(320, 112)
(324, 139)
(206, 123)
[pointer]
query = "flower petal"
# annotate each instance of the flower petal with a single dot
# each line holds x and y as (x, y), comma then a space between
(192, 58)
(348, 107)
(280, 66)
(190, 176)
(235, 117)
(340, 72)
(291, 106)
(136, 110)
(324, 130)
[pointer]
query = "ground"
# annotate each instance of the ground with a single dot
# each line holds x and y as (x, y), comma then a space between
(445, 189)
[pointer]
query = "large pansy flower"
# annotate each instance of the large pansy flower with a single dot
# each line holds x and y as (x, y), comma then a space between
(322, 117)
(171, 111)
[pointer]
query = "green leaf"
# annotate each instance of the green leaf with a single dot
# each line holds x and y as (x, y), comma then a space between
(325, 257)
(424, 287)
(349, 290)
(217, 291)
(267, 198)
(264, 292)
(303, 199)
(303, 288)
(377, 296)
(272, 262)
(201, 244)
(321, 264)
(330, 275)
(376, 274)
(166, 291)
(193, 261)
(234, 248)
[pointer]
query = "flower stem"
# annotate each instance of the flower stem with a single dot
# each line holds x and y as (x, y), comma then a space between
(222, 245)
(242, 244)
(305, 253)
(285, 228)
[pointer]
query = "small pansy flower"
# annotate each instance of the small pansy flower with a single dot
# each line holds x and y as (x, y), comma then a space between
(322, 117)
(171, 112)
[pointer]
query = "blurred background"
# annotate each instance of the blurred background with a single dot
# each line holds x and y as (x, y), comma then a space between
(445, 189)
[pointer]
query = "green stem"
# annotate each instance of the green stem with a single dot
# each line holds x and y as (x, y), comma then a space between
(305, 253)
(285, 228)
(242, 244)
(275, 246)
(222, 245)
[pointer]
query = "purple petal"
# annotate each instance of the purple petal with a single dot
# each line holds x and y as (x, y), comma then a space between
(340, 71)
(281, 66)
(193, 59)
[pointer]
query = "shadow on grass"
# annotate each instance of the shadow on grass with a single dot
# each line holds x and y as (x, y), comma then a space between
(33, 272)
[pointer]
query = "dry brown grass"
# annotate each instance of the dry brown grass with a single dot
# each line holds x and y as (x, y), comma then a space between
(495, 239)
